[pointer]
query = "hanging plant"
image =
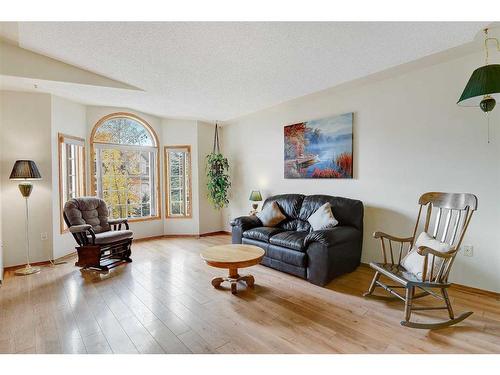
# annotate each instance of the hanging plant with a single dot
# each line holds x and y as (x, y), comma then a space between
(218, 181)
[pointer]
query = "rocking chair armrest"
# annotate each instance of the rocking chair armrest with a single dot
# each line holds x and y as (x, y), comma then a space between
(392, 238)
(80, 233)
(80, 228)
(424, 250)
(118, 221)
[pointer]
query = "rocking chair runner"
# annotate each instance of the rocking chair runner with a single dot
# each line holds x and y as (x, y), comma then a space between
(103, 243)
(457, 208)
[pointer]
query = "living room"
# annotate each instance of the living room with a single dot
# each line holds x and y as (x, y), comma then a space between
(249, 188)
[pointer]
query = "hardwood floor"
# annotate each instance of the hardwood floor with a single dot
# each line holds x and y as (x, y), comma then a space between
(163, 302)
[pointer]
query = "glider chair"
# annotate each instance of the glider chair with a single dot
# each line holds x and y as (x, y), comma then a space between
(423, 263)
(102, 242)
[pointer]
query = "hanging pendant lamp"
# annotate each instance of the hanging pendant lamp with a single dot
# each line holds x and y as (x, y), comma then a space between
(483, 87)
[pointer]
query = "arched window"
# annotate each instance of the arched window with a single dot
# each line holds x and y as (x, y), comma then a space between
(125, 168)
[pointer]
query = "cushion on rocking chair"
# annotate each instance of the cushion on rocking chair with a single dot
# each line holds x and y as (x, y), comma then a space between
(111, 236)
(414, 262)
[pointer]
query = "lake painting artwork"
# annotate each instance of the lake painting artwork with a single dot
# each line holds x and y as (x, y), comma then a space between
(319, 148)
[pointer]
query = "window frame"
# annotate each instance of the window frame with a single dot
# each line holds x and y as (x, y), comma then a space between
(168, 215)
(95, 145)
(81, 185)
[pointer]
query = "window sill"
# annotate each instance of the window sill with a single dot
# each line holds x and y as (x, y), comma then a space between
(178, 217)
(139, 219)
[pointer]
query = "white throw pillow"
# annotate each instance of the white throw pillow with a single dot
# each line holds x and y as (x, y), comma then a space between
(271, 215)
(323, 218)
(414, 262)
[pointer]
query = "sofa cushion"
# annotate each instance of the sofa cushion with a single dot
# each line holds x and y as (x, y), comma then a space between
(290, 239)
(271, 215)
(289, 203)
(347, 211)
(323, 218)
(280, 265)
(334, 236)
(111, 236)
(286, 255)
(280, 254)
(262, 233)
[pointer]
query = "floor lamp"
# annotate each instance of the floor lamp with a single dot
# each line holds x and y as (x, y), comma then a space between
(26, 171)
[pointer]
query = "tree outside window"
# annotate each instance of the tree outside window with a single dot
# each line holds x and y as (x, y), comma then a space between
(125, 166)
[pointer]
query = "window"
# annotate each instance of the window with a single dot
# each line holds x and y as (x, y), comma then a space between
(178, 181)
(125, 168)
(71, 171)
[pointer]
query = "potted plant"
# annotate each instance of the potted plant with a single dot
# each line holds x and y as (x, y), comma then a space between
(218, 180)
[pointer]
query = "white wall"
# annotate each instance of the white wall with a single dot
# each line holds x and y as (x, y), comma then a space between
(26, 134)
(210, 218)
(141, 229)
(409, 137)
(176, 133)
(68, 118)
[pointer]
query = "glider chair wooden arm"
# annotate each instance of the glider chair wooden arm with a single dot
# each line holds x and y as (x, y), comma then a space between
(82, 232)
(452, 215)
(117, 223)
(103, 244)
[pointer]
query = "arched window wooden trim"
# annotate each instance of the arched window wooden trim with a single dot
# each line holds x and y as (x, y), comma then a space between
(93, 181)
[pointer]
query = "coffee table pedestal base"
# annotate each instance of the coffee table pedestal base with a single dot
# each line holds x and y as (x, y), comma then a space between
(233, 279)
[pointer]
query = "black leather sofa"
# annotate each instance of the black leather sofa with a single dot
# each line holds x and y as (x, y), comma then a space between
(293, 247)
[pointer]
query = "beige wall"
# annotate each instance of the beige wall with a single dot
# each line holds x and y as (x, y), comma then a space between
(26, 134)
(409, 137)
(210, 218)
(176, 133)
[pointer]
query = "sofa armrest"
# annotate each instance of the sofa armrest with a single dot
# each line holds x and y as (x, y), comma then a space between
(242, 224)
(332, 252)
(246, 222)
(118, 222)
(329, 237)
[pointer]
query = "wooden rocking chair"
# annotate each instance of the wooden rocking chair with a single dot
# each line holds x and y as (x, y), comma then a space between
(457, 209)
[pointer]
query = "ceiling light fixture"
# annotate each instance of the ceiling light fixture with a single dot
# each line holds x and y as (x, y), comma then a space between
(484, 84)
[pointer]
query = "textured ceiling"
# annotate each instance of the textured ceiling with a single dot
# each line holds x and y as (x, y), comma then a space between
(225, 70)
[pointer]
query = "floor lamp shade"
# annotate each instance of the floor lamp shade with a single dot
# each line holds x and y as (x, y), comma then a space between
(25, 171)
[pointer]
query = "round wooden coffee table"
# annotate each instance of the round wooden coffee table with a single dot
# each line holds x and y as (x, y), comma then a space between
(233, 257)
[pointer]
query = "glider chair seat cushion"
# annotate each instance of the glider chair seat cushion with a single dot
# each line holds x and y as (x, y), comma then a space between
(112, 236)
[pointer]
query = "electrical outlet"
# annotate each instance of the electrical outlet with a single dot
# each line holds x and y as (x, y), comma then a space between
(468, 250)
(43, 236)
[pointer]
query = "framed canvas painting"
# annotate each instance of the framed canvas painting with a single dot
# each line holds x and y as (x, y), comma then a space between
(319, 148)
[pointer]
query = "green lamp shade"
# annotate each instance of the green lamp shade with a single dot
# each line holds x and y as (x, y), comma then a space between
(25, 170)
(255, 196)
(483, 81)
